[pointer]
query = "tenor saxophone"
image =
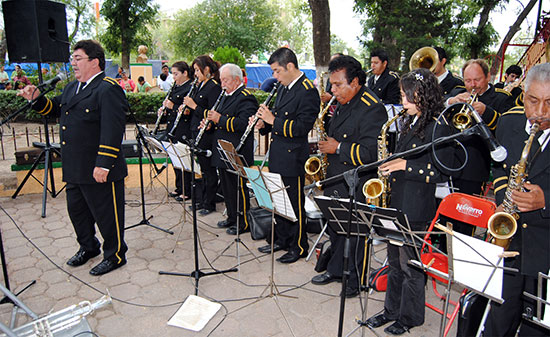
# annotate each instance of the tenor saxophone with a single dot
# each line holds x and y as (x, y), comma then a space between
(503, 225)
(316, 165)
(377, 190)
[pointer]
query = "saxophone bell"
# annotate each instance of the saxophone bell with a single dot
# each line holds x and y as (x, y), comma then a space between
(502, 227)
(373, 188)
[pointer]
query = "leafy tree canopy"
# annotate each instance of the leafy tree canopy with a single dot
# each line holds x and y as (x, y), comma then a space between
(229, 55)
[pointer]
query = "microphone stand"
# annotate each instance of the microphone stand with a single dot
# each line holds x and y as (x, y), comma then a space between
(197, 273)
(45, 155)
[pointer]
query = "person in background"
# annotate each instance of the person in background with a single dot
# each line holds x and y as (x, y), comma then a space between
(512, 79)
(446, 79)
(119, 73)
(384, 83)
(165, 79)
(143, 86)
(4, 78)
(126, 83)
(19, 76)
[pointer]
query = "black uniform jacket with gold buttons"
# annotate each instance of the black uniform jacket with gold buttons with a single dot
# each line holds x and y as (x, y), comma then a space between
(356, 125)
(176, 95)
(413, 189)
(92, 124)
(497, 101)
(449, 83)
(386, 87)
(205, 97)
(295, 112)
(532, 238)
(235, 111)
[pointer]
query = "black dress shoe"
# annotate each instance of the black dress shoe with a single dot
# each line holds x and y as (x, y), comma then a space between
(291, 257)
(267, 248)
(233, 230)
(378, 321)
(397, 329)
(351, 292)
(197, 206)
(325, 278)
(174, 194)
(205, 211)
(106, 266)
(225, 223)
(81, 257)
(178, 198)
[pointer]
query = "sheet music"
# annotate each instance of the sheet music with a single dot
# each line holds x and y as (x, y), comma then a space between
(180, 156)
(258, 186)
(155, 143)
(475, 275)
(280, 198)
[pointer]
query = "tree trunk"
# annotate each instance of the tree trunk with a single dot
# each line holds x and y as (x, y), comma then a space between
(511, 32)
(3, 45)
(320, 17)
(125, 43)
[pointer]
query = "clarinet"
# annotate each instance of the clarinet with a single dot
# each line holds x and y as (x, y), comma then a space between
(251, 126)
(157, 123)
(181, 109)
(208, 122)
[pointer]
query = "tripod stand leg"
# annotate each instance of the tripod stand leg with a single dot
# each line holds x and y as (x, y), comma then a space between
(28, 175)
(317, 241)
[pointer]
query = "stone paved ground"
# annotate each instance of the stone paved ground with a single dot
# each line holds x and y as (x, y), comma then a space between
(143, 300)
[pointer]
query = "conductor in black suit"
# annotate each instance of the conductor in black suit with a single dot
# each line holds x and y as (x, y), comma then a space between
(92, 116)
(230, 121)
(295, 110)
(384, 83)
(532, 239)
(352, 141)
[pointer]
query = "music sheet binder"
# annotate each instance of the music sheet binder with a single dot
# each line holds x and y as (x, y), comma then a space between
(270, 192)
(230, 156)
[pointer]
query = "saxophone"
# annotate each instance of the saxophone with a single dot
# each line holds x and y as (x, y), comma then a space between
(377, 190)
(316, 165)
(503, 225)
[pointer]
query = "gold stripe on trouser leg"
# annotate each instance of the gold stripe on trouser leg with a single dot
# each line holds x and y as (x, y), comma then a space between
(300, 216)
(117, 223)
(244, 205)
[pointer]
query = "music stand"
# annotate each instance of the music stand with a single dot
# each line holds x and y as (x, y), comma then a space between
(365, 221)
(538, 319)
(237, 162)
(144, 219)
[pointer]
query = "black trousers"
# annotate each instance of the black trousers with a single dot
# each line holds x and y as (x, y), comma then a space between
(228, 181)
(293, 234)
(356, 257)
(504, 319)
(405, 295)
(208, 185)
(103, 204)
(183, 187)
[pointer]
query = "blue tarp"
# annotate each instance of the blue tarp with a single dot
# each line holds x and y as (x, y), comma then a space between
(257, 73)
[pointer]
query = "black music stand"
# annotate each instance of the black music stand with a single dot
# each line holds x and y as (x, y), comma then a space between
(237, 162)
(197, 273)
(144, 219)
(358, 219)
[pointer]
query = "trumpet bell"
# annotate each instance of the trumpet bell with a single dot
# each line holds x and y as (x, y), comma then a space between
(462, 121)
(502, 227)
(373, 188)
(425, 57)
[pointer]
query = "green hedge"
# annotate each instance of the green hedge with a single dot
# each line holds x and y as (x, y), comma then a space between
(143, 105)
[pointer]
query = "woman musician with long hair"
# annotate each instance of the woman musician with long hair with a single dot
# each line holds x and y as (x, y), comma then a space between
(413, 182)
(201, 101)
(182, 75)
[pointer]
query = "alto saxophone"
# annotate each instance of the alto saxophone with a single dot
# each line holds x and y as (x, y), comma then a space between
(316, 165)
(377, 190)
(503, 225)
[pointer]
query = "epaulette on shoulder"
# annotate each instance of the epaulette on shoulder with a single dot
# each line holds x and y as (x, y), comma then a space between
(307, 84)
(214, 80)
(461, 86)
(518, 110)
(245, 92)
(502, 91)
(368, 99)
(110, 80)
(394, 74)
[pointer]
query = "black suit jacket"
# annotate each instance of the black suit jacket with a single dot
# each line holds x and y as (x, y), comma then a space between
(387, 87)
(532, 238)
(92, 124)
(413, 190)
(205, 97)
(497, 101)
(176, 96)
(295, 112)
(449, 83)
(356, 125)
(235, 111)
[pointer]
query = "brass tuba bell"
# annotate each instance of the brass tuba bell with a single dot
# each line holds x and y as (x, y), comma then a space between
(425, 57)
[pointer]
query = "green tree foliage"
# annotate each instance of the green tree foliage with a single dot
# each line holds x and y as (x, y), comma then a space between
(128, 26)
(248, 25)
(80, 18)
(229, 55)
